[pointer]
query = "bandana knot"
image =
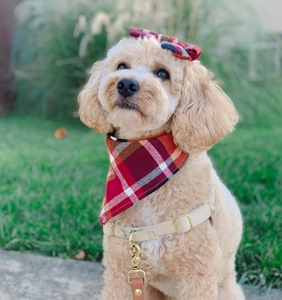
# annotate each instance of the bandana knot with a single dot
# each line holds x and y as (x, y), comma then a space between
(138, 168)
(181, 50)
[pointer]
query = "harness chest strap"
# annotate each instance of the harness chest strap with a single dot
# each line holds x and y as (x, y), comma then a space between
(180, 224)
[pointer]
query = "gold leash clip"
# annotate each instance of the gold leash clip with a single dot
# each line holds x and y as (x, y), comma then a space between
(136, 258)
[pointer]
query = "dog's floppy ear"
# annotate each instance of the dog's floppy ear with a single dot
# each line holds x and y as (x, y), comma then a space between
(204, 113)
(91, 111)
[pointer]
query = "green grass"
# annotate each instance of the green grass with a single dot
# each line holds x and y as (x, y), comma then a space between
(51, 191)
(249, 161)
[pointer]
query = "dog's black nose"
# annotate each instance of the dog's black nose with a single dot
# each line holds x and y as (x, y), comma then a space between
(127, 87)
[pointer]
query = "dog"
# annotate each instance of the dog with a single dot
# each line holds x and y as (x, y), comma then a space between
(140, 90)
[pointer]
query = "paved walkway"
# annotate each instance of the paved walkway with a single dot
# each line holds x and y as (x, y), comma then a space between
(32, 277)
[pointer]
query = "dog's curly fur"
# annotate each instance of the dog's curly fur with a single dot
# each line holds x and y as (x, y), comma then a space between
(198, 265)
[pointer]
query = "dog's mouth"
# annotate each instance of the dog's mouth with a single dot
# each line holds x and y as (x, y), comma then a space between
(128, 103)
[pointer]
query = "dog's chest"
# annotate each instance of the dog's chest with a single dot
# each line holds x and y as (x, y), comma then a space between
(191, 187)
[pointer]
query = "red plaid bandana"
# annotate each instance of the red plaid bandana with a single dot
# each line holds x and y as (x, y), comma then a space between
(181, 50)
(138, 168)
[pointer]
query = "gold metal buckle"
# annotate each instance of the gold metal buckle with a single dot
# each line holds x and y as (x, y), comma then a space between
(175, 224)
(137, 271)
(130, 237)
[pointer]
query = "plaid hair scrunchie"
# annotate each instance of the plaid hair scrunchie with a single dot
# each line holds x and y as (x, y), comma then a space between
(181, 50)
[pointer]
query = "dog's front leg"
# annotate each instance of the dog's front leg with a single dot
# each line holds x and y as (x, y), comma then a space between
(193, 262)
(116, 286)
(117, 264)
(197, 287)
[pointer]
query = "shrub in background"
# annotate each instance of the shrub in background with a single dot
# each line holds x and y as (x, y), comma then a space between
(58, 41)
(49, 69)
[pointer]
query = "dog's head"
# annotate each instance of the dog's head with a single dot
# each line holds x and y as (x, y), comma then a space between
(142, 88)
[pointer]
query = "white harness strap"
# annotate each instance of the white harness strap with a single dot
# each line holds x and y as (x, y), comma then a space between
(180, 224)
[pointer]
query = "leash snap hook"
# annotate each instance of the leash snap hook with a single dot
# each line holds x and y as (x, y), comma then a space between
(136, 258)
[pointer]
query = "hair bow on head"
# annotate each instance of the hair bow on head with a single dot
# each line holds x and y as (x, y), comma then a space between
(183, 51)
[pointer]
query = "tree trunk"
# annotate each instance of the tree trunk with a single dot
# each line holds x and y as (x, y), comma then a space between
(7, 30)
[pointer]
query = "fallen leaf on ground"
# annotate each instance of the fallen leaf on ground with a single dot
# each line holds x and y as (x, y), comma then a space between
(60, 133)
(80, 255)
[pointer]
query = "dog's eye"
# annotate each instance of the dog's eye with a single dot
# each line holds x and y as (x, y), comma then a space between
(162, 74)
(121, 67)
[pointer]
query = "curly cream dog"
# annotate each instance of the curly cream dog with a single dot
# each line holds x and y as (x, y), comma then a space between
(176, 96)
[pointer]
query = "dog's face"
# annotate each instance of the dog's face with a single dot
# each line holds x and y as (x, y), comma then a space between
(140, 87)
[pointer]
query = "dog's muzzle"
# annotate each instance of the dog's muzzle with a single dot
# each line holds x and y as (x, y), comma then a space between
(127, 87)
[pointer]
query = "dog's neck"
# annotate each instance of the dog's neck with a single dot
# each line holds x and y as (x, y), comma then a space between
(127, 133)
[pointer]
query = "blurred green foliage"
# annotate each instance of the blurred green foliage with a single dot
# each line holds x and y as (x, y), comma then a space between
(47, 187)
(49, 70)
(58, 41)
(254, 163)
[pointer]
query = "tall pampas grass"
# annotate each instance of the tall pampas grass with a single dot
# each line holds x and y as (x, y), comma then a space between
(58, 41)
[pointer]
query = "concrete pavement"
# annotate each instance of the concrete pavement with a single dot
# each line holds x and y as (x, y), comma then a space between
(25, 276)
